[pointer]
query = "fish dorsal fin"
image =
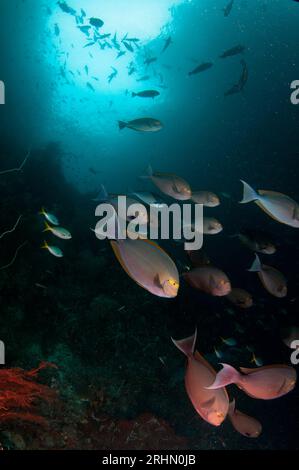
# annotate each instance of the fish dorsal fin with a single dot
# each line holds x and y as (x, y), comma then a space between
(207, 404)
(203, 361)
(263, 192)
(248, 371)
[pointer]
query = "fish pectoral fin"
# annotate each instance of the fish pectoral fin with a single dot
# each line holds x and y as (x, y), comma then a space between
(157, 281)
(208, 403)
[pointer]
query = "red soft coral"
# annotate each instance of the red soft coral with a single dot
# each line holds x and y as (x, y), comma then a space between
(20, 393)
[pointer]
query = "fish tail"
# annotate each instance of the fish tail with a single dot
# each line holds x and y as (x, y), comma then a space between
(149, 173)
(42, 211)
(256, 265)
(134, 94)
(186, 345)
(249, 194)
(102, 195)
(48, 228)
(226, 376)
(122, 125)
(45, 246)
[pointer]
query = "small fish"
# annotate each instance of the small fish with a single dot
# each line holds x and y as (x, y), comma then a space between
(233, 51)
(280, 207)
(257, 240)
(168, 41)
(201, 68)
(150, 60)
(210, 280)
(264, 383)
(89, 44)
(142, 125)
(206, 198)
(66, 9)
(256, 360)
(54, 250)
(57, 30)
(128, 46)
(240, 298)
(143, 79)
(146, 94)
(120, 54)
(244, 424)
(227, 10)
(40, 286)
(273, 280)
(59, 232)
(89, 85)
(170, 184)
(218, 353)
(86, 69)
(148, 265)
(96, 22)
(50, 217)
(289, 335)
(229, 341)
(84, 29)
(212, 407)
(211, 226)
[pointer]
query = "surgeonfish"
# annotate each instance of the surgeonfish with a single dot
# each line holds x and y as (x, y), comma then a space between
(280, 207)
(206, 198)
(54, 250)
(50, 217)
(244, 424)
(212, 407)
(264, 383)
(209, 280)
(240, 298)
(170, 184)
(272, 279)
(148, 265)
(211, 226)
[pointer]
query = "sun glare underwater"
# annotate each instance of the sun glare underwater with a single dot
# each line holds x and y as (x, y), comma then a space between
(185, 102)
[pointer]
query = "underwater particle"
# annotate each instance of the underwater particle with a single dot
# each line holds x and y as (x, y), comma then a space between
(59, 232)
(148, 265)
(244, 424)
(201, 68)
(264, 383)
(146, 94)
(272, 279)
(210, 280)
(142, 125)
(278, 206)
(50, 217)
(169, 184)
(212, 407)
(54, 250)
